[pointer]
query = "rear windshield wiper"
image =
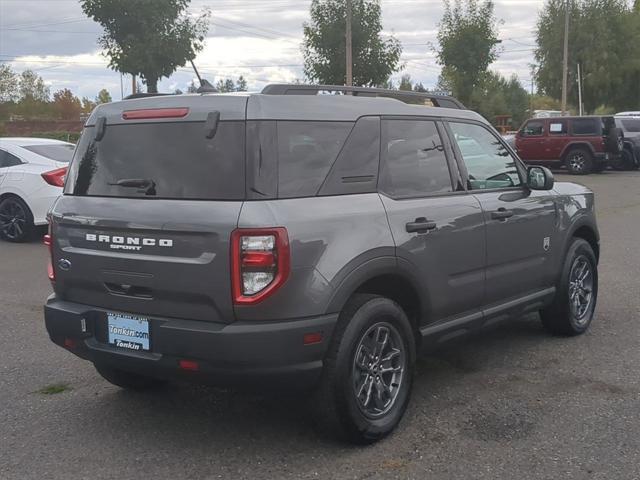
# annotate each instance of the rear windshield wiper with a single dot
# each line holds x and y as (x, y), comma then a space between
(148, 185)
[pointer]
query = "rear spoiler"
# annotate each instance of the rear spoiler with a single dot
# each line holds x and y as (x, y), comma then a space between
(415, 98)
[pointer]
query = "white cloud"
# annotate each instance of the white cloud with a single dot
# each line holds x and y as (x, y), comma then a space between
(259, 39)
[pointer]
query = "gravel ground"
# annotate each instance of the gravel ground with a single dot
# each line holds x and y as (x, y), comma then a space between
(511, 402)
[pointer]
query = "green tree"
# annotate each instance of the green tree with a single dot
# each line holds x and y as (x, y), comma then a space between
(66, 105)
(496, 95)
(324, 45)
(88, 105)
(418, 87)
(406, 83)
(193, 87)
(604, 38)
(32, 87)
(241, 84)
(103, 96)
(467, 45)
(9, 91)
(148, 38)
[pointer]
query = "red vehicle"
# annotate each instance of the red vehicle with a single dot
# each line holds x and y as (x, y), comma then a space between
(582, 144)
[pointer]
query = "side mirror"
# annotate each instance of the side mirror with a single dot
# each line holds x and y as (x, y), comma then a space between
(539, 178)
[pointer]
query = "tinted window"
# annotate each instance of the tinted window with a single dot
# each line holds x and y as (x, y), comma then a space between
(489, 163)
(585, 126)
(356, 168)
(532, 129)
(167, 160)
(558, 127)
(414, 163)
(306, 151)
(8, 160)
(630, 124)
(57, 152)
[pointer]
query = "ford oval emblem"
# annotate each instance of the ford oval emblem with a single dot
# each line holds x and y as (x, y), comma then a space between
(64, 264)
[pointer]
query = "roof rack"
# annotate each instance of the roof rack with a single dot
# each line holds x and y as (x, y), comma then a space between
(414, 98)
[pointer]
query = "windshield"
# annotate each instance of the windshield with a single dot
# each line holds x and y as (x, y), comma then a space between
(160, 160)
(54, 151)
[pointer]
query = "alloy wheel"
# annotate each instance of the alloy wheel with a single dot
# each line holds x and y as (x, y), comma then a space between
(13, 219)
(576, 161)
(581, 289)
(378, 369)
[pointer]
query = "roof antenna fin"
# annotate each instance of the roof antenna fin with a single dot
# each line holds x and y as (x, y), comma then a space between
(205, 85)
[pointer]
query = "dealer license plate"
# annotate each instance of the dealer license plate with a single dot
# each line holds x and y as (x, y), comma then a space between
(128, 331)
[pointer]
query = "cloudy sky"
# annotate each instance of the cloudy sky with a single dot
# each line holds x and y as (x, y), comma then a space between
(259, 39)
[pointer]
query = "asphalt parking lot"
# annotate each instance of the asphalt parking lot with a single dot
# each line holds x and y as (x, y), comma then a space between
(510, 403)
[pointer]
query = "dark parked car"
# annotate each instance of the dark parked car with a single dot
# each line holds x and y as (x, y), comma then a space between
(629, 158)
(303, 241)
(582, 144)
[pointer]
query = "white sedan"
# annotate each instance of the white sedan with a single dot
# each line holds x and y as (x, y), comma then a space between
(32, 173)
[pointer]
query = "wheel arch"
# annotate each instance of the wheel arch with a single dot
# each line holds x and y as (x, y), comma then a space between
(574, 145)
(388, 277)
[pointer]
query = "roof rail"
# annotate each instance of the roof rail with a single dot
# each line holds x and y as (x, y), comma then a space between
(415, 98)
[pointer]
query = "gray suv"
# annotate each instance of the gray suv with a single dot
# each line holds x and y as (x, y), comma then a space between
(289, 239)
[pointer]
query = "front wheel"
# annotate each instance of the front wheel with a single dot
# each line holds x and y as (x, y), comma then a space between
(576, 293)
(368, 372)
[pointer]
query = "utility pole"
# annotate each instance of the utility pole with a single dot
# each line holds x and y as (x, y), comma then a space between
(531, 99)
(349, 53)
(121, 88)
(133, 84)
(579, 90)
(565, 60)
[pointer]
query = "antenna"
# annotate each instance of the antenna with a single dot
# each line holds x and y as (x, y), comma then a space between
(205, 85)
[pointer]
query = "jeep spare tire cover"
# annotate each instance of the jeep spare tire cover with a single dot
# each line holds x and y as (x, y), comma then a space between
(614, 140)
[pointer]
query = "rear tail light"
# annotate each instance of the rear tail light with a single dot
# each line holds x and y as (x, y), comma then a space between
(48, 241)
(259, 263)
(56, 177)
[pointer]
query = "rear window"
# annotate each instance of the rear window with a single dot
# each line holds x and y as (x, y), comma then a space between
(586, 126)
(161, 160)
(57, 152)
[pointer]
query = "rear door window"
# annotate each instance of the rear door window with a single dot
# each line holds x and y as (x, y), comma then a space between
(306, 152)
(414, 162)
(8, 160)
(586, 126)
(558, 127)
(172, 160)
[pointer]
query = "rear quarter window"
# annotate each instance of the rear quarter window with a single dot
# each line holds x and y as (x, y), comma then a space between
(56, 152)
(306, 151)
(586, 126)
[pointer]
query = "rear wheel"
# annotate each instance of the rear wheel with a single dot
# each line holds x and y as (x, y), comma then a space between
(579, 161)
(128, 380)
(624, 161)
(576, 293)
(368, 372)
(16, 220)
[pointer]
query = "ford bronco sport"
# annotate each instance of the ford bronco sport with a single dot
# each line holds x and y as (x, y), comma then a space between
(308, 241)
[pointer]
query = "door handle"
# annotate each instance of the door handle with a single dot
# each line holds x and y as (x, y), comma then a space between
(420, 225)
(501, 214)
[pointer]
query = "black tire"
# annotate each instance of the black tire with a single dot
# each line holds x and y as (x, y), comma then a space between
(561, 317)
(352, 372)
(16, 220)
(625, 161)
(579, 161)
(615, 140)
(128, 380)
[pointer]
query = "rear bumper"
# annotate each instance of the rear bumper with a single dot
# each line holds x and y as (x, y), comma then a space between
(241, 353)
